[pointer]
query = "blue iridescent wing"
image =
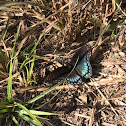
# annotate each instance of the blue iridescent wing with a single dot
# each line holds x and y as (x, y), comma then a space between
(62, 72)
(81, 53)
(74, 78)
(84, 68)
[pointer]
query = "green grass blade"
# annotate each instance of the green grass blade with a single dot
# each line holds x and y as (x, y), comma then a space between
(36, 43)
(35, 112)
(7, 110)
(26, 118)
(9, 88)
(32, 65)
(4, 104)
(14, 119)
(43, 94)
(27, 72)
(26, 49)
(48, 101)
(5, 31)
(29, 113)
(119, 7)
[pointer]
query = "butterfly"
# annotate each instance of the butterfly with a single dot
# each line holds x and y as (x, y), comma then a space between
(82, 70)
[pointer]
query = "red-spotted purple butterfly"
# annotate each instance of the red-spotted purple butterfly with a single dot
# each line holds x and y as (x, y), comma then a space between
(82, 69)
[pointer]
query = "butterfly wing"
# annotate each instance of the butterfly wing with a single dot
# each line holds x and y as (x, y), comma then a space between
(62, 72)
(84, 51)
(74, 78)
(59, 73)
(83, 67)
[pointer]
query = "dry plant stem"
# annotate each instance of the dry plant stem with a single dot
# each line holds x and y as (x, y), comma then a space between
(113, 8)
(107, 81)
(24, 40)
(54, 5)
(33, 89)
(5, 49)
(65, 6)
(117, 98)
(91, 90)
(68, 123)
(103, 97)
(70, 13)
(86, 4)
(97, 83)
(13, 76)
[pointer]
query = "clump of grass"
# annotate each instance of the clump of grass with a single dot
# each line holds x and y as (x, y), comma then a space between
(10, 108)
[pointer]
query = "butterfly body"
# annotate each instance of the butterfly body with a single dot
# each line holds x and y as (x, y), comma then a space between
(82, 69)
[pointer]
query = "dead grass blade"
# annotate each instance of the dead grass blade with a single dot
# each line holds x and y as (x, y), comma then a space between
(105, 98)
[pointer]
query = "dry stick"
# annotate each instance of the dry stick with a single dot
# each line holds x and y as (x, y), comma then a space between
(117, 98)
(5, 48)
(15, 75)
(24, 40)
(91, 90)
(103, 96)
(68, 123)
(96, 83)
(33, 89)
(106, 81)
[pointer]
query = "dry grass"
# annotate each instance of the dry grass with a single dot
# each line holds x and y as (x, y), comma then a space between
(49, 33)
